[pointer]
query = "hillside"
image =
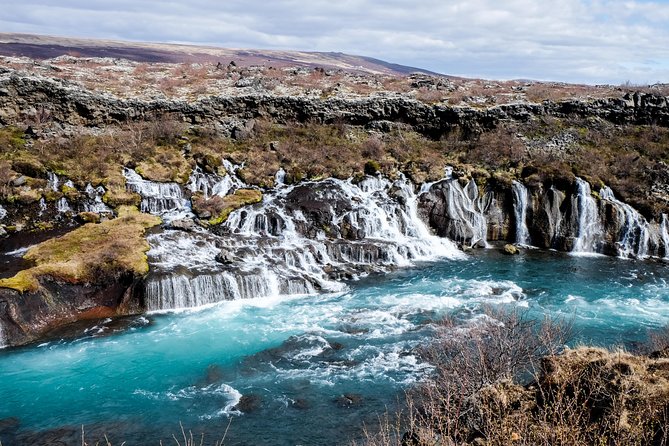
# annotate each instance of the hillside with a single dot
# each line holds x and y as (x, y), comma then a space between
(48, 47)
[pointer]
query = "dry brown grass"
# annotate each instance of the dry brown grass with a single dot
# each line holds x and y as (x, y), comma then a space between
(508, 381)
(90, 253)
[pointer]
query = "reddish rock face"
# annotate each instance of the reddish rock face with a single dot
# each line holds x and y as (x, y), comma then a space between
(25, 317)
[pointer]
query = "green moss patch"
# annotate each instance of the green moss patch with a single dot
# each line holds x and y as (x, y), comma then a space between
(217, 209)
(91, 253)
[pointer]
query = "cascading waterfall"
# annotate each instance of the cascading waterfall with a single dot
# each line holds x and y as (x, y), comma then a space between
(463, 210)
(3, 212)
(157, 198)
(553, 199)
(93, 201)
(634, 235)
(664, 234)
(280, 177)
(586, 219)
(210, 184)
(52, 181)
(63, 206)
(42, 206)
(305, 238)
(520, 204)
(292, 243)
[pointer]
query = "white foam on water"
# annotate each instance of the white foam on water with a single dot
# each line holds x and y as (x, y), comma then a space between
(418, 302)
(223, 391)
(315, 346)
(571, 298)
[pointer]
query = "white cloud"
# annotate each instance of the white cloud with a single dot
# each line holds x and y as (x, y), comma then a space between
(574, 40)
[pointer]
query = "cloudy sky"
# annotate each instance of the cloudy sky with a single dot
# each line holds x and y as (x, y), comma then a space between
(593, 41)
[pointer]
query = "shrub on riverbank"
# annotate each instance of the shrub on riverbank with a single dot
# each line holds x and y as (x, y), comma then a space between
(505, 381)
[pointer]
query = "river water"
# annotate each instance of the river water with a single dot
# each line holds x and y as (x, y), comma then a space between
(311, 369)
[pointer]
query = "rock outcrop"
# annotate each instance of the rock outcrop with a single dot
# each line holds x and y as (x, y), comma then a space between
(70, 104)
(89, 273)
(28, 316)
(573, 219)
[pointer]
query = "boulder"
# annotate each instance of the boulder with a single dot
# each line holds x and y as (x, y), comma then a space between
(510, 249)
(249, 403)
(225, 257)
(348, 400)
(184, 224)
(20, 181)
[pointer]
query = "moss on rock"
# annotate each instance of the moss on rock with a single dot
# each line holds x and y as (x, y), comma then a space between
(241, 197)
(217, 209)
(91, 253)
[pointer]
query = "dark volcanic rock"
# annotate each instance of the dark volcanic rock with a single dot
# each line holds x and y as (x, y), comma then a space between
(70, 103)
(27, 316)
(349, 400)
(249, 403)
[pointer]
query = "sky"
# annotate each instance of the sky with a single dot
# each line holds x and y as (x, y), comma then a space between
(585, 41)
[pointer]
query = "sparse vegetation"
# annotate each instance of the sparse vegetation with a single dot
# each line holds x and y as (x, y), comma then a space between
(510, 380)
(217, 209)
(90, 253)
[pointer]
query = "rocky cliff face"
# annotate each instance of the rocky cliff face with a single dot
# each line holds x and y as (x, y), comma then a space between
(68, 103)
(26, 317)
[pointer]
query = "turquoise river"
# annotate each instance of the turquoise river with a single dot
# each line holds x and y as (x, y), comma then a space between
(312, 369)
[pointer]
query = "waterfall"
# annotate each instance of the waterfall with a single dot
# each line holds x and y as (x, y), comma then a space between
(3, 212)
(301, 239)
(586, 219)
(210, 184)
(157, 198)
(553, 199)
(520, 203)
(280, 177)
(93, 201)
(52, 181)
(664, 235)
(634, 233)
(460, 208)
(62, 206)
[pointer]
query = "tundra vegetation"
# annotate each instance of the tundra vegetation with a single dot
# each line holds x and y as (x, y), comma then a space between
(510, 380)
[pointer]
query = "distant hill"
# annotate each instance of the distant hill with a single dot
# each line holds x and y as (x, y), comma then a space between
(47, 47)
